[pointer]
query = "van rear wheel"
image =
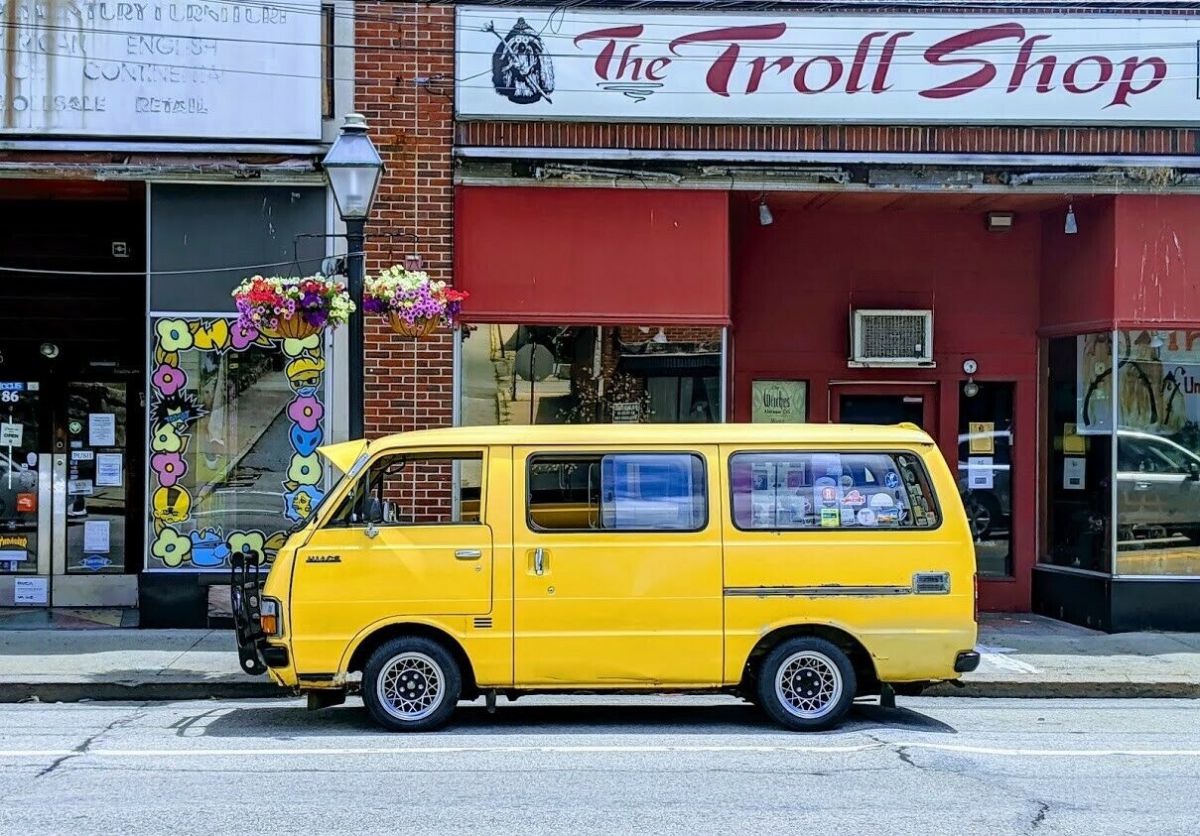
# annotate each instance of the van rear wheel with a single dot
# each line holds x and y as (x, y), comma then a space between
(806, 684)
(411, 683)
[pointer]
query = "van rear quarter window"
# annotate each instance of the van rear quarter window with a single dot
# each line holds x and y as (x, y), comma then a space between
(617, 492)
(786, 491)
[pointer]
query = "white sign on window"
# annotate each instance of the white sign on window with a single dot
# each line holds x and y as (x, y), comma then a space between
(637, 64)
(30, 591)
(163, 68)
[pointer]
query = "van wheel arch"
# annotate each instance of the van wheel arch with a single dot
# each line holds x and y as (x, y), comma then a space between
(864, 666)
(374, 640)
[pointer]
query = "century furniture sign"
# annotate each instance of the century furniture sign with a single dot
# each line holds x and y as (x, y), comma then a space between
(590, 64)
(161, 69)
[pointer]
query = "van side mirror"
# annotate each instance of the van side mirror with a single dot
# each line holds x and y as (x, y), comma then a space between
(373, 510)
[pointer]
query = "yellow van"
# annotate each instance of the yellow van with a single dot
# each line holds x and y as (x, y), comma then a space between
(796, 566)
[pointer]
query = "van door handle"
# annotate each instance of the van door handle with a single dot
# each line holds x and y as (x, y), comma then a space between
(468, 554)
(539, 561)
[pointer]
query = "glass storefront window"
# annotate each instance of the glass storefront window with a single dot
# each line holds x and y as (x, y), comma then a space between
(544, 374)
(235, 422)
(1079, 469)
(1158, 452)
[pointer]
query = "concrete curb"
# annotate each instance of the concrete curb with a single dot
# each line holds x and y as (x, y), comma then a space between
(15, 692)
(168, 691)
(1068, 690)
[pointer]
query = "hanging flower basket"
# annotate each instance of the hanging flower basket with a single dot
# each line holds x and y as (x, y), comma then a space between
(414, 304)
(417, 330)
(291, 308)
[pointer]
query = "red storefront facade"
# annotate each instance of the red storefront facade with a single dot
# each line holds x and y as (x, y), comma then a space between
(674, 269)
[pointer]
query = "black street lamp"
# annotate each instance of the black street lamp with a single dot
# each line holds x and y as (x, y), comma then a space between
(354, 169)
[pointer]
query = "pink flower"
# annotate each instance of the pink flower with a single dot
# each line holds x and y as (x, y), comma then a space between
(170, 468)
(306, 412)
(243, 336)
(168, 379)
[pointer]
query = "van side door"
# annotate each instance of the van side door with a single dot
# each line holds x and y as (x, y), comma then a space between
(617, 568)
(409, 539)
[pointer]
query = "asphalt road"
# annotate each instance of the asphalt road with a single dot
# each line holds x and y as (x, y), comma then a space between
(593, 765)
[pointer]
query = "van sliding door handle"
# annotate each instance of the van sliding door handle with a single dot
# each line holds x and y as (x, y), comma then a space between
(539, 561)
(468, 554)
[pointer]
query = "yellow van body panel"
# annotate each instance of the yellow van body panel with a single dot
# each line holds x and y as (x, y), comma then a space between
(669, 610)
(617, 608)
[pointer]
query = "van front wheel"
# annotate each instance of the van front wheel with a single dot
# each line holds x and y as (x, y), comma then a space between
(411, 684)
(806, 684)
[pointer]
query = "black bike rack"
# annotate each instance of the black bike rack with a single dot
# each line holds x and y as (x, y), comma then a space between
(245, 594)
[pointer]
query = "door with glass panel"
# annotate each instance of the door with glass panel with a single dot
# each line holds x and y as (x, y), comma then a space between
(65, 490)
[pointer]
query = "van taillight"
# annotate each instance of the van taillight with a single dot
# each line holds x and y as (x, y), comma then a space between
(975, 609)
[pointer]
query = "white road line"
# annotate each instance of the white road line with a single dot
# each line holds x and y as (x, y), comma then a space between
(612, 750)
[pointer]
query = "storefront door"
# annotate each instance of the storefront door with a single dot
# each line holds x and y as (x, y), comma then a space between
(65, 493)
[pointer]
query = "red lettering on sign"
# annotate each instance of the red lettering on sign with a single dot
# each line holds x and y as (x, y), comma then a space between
(937, 55)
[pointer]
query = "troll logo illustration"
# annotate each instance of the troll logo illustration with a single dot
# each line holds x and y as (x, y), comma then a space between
(522, 71)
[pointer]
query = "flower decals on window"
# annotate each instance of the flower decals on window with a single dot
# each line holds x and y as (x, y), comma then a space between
(243, 336)
(294, 348)
(248, 544)
(306, 412)
(168, 379)
(171, 547)
(305, 470)
(166, 439)
(174, 335)
(169, 467)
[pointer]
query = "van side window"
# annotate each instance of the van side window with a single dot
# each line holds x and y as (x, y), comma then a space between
(789, 491)
(617, 492)
(408, 489)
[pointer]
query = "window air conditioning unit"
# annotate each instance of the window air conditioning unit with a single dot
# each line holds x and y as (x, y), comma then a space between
(891, 338)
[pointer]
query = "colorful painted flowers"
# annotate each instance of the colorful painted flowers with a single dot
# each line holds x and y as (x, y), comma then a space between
(411, 298)
(306, 412)
(182, 511)
(168, 379)
(268, 303)
(171, 547)
(170, 468)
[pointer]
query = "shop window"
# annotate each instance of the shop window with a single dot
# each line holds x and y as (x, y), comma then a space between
(235, 422)
(623, 492)
(787, 491)
(404, 489)
(1158, 452)
(1079, 412)
(518, 374)
(985, 472)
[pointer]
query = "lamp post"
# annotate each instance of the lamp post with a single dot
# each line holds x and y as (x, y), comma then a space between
(354, 169)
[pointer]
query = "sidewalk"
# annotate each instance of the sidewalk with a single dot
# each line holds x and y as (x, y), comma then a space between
(1023, 656)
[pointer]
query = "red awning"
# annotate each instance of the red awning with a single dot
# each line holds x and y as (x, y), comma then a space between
(592, 256)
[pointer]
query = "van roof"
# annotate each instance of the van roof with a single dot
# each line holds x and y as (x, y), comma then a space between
(591, 434)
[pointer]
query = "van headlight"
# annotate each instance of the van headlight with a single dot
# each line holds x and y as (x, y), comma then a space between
(269, 619)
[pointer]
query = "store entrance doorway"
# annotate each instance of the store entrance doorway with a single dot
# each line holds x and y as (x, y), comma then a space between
(72, 349)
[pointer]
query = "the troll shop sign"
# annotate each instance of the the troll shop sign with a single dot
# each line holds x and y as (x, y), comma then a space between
(918, 69)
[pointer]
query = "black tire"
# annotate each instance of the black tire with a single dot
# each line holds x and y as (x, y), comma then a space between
(423, 664)
(821, 655)
(983, 511)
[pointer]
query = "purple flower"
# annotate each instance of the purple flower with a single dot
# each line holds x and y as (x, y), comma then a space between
(306, 412)
(168, 379)
(170, 468)
(374, 306)
(243, 335)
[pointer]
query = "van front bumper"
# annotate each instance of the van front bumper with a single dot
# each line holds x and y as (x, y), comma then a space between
(966, 661)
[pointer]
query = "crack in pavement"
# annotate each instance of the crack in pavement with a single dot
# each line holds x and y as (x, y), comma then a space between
(1040, 818)
(84, 747)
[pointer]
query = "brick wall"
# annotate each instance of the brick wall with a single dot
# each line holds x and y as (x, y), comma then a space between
(409, 384)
